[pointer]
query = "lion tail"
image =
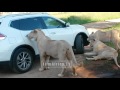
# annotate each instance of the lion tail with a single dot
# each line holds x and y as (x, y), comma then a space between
(115, 58)
(70, 55)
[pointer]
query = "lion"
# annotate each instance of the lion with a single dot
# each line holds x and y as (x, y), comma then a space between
(102, 51)
(53, 48)
(108, 36)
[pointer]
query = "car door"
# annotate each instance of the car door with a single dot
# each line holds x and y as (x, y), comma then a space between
(57, 29)
(26, 26)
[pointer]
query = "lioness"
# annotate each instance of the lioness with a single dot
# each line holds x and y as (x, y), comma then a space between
(55, 48)
(102, 51)
(108, 36)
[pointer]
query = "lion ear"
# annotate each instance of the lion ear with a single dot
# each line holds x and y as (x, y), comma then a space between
(35, 31)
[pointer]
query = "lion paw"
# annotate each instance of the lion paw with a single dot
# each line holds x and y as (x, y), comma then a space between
(47, 68)
(41, 69)
(74, 74)
(60, 75)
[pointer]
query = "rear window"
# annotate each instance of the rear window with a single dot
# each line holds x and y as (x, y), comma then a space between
(30, 24)
(15, 24)
(27, 24)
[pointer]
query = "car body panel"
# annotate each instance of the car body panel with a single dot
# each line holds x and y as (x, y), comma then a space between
(15, 38)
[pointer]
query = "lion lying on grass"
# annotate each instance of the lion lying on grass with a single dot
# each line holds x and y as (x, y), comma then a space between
(108, 36)
(55, 48)
(101, 51)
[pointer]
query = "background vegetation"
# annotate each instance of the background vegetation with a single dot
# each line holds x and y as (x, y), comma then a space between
(85, 17)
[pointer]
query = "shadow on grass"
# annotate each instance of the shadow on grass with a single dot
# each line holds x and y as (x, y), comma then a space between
(78, 20)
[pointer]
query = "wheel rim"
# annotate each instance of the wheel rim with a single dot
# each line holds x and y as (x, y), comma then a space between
(24, 60)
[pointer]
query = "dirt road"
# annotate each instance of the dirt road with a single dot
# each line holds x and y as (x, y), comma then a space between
(91, 69)
(33, 73)
(105, 68)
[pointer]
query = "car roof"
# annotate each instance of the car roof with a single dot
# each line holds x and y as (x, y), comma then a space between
(10, 16)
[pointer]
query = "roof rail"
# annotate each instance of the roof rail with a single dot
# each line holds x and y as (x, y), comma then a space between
(30, 13)
(20, 14)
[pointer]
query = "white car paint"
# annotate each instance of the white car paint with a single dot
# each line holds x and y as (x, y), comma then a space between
(14, 38)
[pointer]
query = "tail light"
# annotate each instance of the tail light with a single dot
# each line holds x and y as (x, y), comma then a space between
(2, 36)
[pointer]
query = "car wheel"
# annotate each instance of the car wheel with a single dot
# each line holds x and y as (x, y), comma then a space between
(79, 46)
(22, 60)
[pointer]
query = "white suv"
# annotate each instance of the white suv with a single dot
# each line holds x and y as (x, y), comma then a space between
(16, 48)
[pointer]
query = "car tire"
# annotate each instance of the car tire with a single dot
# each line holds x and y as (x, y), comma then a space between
(79, 46)
(22, 60)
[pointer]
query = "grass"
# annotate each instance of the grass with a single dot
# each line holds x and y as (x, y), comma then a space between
(116, 26)
(85, 17)
(110, 44)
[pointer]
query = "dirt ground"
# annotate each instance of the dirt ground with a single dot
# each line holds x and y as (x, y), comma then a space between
(90, 69)
(96, 69)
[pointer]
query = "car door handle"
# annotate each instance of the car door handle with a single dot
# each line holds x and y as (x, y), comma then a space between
(53, 33)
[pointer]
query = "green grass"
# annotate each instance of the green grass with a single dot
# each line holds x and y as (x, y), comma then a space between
(85, 17)
(116, 26)
(110, 44)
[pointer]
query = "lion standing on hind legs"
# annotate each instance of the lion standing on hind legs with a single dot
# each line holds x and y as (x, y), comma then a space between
(56, 48)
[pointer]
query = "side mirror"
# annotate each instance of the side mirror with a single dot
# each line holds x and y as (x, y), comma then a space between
(67, 24)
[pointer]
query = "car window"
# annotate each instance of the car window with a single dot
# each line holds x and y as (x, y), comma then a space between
(52, 23)
(27, 24)
(30, 24)
(15, 24)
